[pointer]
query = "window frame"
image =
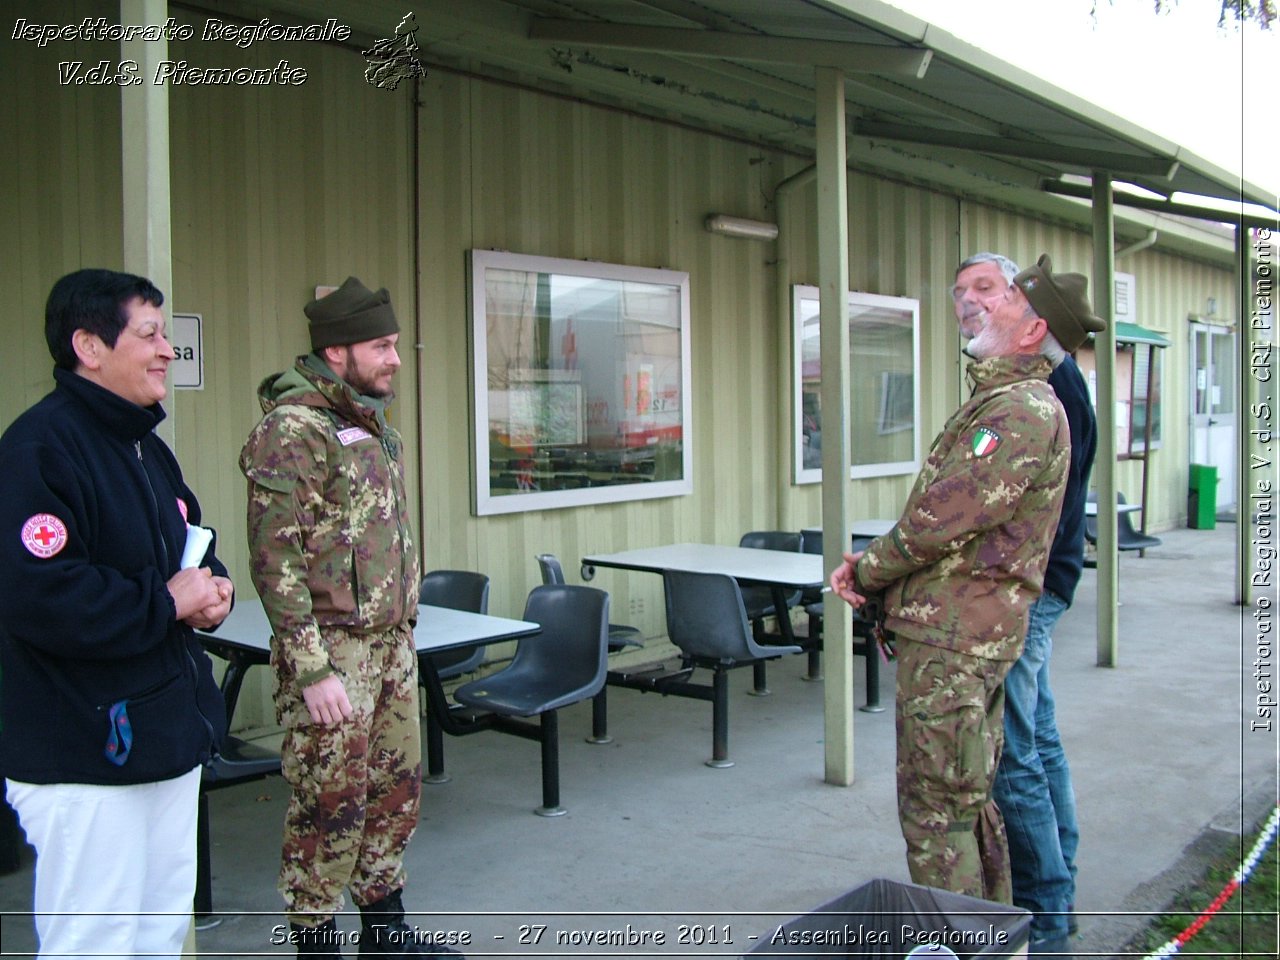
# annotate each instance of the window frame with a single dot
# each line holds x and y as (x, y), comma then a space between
(484, 500)
(858, 301)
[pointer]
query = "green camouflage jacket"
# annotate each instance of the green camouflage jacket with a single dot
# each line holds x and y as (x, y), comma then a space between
(962, 565)
(329, 527)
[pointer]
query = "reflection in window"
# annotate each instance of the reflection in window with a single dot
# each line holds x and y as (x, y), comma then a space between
(581, 382)
(1146, 396)
(884, 403)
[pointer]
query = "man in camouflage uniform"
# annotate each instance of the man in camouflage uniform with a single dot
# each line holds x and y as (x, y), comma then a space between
(1032, 786)
(958, 572)
(334, 564)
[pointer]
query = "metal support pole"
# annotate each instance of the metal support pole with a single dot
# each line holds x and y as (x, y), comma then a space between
(1104, 296)
(833, 299)
(1245, 443)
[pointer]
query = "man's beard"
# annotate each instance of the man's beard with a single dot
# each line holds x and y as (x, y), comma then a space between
(364, 384)
(982, 345)
(995, 339)
(972, 322)
(978, 323)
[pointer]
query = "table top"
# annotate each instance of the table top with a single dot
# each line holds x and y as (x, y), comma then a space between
(1091, 508)
(742, 563)
(875, 527)
(439, 628)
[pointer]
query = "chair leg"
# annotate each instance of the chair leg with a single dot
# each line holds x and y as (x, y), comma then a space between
(815, 665)
(435, 751)
(600, 718)
(550, 740)
(232, 679)
(720, 719)
(873, 678)
(759, 677)
(815, 649)
(759, 680)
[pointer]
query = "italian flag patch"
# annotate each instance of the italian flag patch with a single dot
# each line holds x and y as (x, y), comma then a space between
(985, 442)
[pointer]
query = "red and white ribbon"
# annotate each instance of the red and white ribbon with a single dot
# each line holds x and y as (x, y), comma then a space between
(1239, 877)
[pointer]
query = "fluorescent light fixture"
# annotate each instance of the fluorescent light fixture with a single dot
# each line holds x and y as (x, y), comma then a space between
(728, 226)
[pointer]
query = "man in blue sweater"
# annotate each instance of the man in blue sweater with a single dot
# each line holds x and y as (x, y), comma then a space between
(1033, 782)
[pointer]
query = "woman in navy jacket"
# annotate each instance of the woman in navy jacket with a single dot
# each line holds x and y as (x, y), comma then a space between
(108, 701)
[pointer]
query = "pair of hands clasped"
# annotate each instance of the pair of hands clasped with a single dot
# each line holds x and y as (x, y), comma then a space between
(202, 599)
(842, 581)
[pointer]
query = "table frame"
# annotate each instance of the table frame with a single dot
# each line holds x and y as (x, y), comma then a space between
(778, 570)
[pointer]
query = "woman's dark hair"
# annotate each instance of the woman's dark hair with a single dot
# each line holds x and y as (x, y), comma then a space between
(92, 300)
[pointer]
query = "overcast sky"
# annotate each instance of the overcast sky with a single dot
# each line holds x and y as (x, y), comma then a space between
(1176, 74)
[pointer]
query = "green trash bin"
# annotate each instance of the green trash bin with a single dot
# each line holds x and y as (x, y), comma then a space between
(1202, 497)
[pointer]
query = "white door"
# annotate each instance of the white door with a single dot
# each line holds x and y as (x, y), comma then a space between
(1213, 406)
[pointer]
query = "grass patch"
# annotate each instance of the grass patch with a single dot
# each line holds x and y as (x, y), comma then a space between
(1247, 924)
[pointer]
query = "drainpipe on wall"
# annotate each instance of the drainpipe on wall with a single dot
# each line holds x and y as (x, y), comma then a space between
(786, 413)
(1147, 241)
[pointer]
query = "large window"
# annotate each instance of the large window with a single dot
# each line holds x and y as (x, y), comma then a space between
(580, 382)
(884, 389)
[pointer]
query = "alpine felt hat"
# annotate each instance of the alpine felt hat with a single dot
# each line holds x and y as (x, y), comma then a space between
(1062, 301)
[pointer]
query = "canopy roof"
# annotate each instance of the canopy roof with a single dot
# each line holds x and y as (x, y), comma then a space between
(1136, 333)
(922, 104)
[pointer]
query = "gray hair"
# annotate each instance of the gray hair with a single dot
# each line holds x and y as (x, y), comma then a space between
(1007, 266)
(1051, 349)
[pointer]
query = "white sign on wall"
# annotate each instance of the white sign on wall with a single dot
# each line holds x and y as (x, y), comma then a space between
(186, 337)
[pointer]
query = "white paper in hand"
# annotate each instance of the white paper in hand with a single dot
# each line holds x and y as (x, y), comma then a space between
(198, 540)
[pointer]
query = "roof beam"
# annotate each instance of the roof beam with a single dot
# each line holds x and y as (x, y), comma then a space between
(1242, 217)
(851, 57)
(1022, 149)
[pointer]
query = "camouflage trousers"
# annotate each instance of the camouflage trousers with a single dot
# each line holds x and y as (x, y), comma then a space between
(356, 785)
(950, 712)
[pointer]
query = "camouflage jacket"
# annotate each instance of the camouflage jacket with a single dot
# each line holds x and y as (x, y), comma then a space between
(964, 562)
(329, 527)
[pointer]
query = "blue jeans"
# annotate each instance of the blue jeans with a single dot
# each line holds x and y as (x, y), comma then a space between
(1033, 783)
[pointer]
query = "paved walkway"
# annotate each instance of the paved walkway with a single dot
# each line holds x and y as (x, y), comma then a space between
(1165, 768)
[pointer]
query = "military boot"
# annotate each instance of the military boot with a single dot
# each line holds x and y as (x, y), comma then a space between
(319, 941)
(384, 932)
